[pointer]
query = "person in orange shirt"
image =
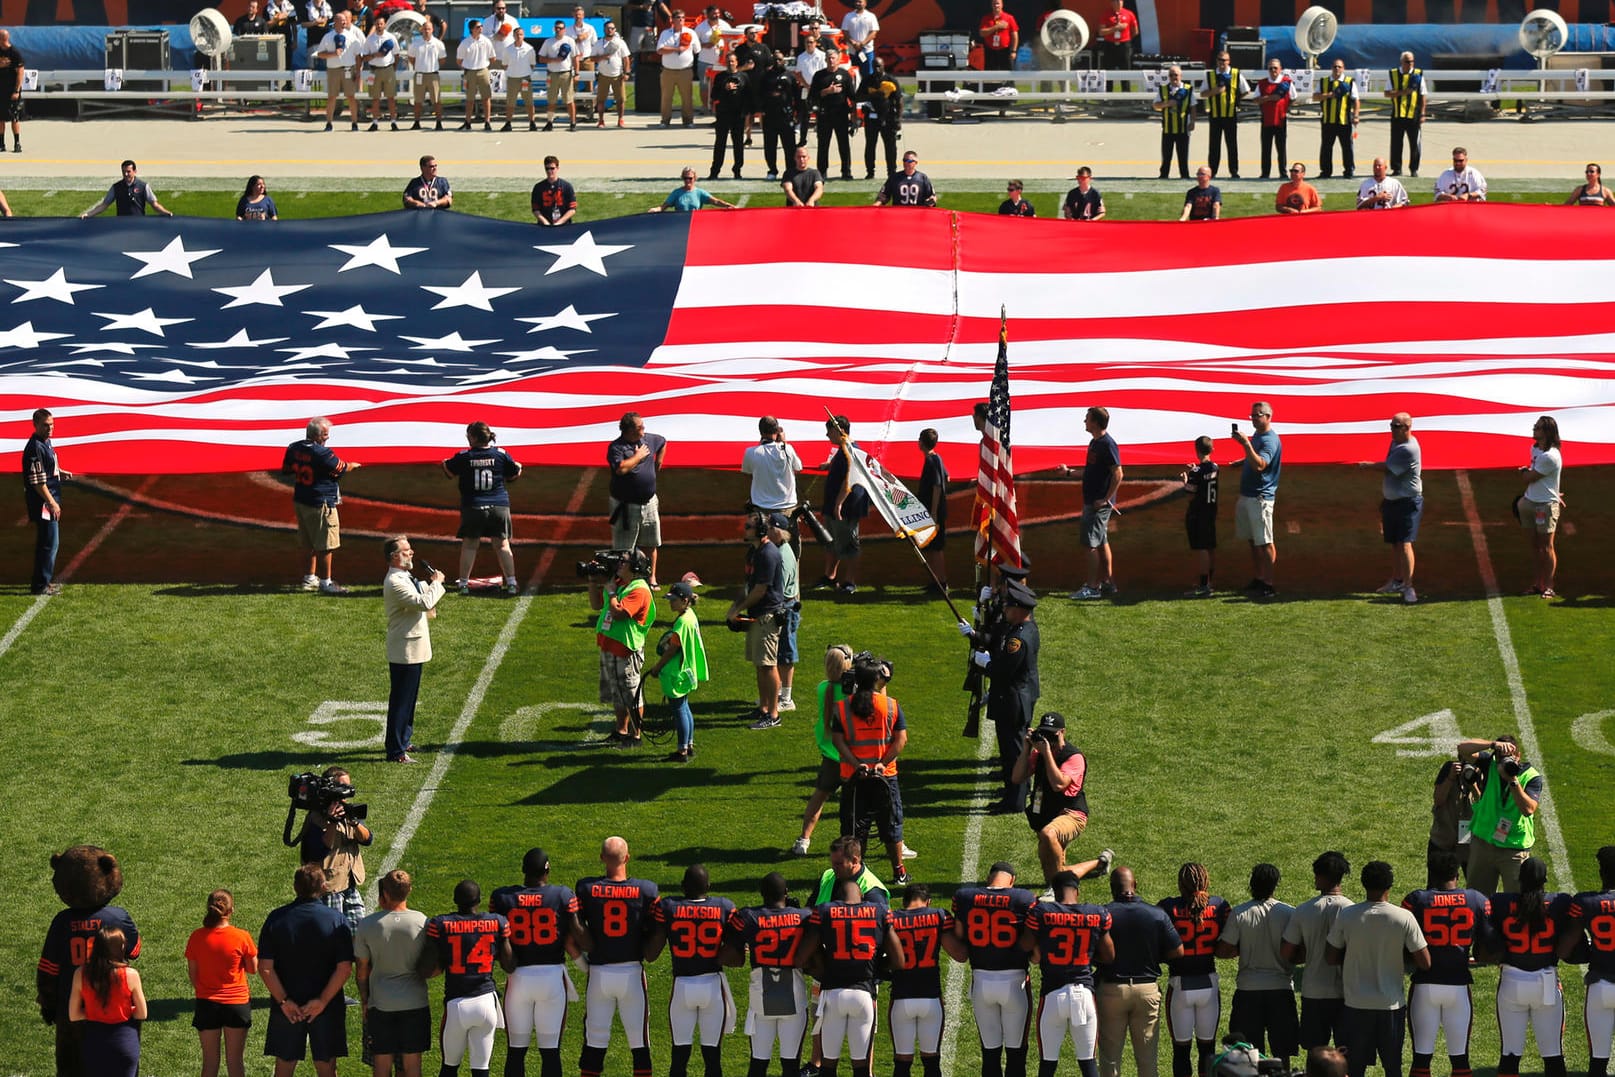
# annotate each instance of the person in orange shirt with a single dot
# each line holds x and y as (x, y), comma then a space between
(108, 1001)
(218, 958)
(1298, 196)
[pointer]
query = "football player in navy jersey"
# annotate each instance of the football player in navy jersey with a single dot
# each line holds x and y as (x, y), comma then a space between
(67, 944)
(1592, 921)
(910, 187)
(847, 938)
(468, 943)
(615, 912)
(1193, 1002)
(1068, 936)
(543, 932)
(694, 925)
(776, 1007)
(988, 919)
(915, 1013)
(483, 470)
(1454, 921)
(1527, 929)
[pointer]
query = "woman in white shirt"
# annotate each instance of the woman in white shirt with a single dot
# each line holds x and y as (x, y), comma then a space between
(1539, 505)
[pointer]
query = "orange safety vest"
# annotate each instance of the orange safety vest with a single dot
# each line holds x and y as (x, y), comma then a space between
(868, 738)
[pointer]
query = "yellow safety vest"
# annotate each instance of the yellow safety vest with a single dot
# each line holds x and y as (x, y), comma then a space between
(1175, 117)
(1409, 106)
(1222, 98)
(1337, 110)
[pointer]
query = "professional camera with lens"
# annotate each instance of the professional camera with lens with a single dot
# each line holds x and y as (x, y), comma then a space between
(315, 792)
(603, 565)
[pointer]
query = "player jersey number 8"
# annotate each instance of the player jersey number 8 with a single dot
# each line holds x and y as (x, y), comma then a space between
(534, 927)
(999, 929)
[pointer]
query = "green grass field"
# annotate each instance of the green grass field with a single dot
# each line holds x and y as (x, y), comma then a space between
(157, 706)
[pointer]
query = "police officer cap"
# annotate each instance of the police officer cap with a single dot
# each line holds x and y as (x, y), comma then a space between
(1018, 594)
(1016, 572)
(1050, 722)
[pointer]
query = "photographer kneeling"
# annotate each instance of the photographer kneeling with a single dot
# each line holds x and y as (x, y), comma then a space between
(1503, 818)
(333, 833)
(1058, 807)
(627, 609)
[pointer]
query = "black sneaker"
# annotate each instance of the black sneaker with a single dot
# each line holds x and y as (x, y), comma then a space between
(824, 583)
(532, 125)
(487, 125)
(416, 126)
(549, 125)
(354, 126)
(466, 126)
(439, 126)
(1266, 590)
(374, 126)
(573, 126)
(328, 125)
(394, 125)
(505, 126)
(1255, 585)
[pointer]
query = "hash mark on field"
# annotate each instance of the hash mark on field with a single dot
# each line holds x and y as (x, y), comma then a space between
(1516, 684)
(969, 866)
(743, 200)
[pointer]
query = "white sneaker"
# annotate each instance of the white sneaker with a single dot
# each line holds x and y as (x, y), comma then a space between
(311, 583)
(512, 587)
(1410, 596)
(462, 586)
(787, 704)
(331, 587)
(800, 848)
(1390, 587)
(909, 852)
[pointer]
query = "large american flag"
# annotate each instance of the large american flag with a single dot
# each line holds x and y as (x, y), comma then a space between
(204, 345)
(997, 524)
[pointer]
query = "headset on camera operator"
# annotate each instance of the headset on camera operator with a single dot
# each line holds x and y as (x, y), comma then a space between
(627, 606)
(1502, 821)
(869, 733)
(332, 835)
(1057, 809)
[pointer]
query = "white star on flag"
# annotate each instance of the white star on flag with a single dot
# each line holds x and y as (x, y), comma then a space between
(24, 336)
(173, 258)
(565, 319)
(355, 316)
(378, 252)
(115, 346)
(545, 354)
(263, 292)
(583, 252)
(471, 293)
(177, 376)
(146, 321)
(322, 351)
(450, 343)
(240, 340)
(56, 286)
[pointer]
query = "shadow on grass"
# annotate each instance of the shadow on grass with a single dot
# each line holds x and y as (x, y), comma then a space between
(603, 784)
(226, 589)
(284, 760)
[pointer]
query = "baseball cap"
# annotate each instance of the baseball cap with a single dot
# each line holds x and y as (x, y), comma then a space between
(1018, 594)
(777, 519)
(1051, 721)
(1016, 572)
(681, 590)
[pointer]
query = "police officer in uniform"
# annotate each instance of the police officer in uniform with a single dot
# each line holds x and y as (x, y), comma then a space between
(1008, 654)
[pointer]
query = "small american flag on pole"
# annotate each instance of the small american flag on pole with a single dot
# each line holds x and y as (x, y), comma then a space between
(998, 529)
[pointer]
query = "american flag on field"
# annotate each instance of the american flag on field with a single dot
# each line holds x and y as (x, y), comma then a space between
(205, 345)
(997, 527)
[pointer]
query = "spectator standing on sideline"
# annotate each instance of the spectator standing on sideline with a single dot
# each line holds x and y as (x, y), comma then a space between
(131, 195)
(1175, 102)
(759, 608)
(12, 70)
(1118, 30)
(389, 948)
(106, 1004)
(1410, 99)
(426, 56)
(316, 474)
(1264, 1001)
(933, 494)
(627, 610)
(1381, 191)
(483, 470)
(1258, 488)
(411, 606)
(305, 955)
(1540, 504)
(380, 54)
(1225, 89)
(554, 202)
(613, 63)
(634, 458)
(340, 49)
(316, 18)
(709, 33)
(1200, 518)
(859, 27)
(1015, 205)
(785, 540)
(521, 59)
(1101, 480)
(1336, 95)
(475, 56)
(428, 190)
(843, 507)
(218, 958)
(1203, 202)
(1456, 923)
(677, 48)
(1274, 94)
(1503, 818)
(1401, 505)
(837, 664)
(681, 665)
(1460, 183)
(1306, 941)
(255, 203)
(1129, 994)
(809, 62)
(1371, 941)
(1593, 193)
(687, 197)
(910, 187)
(773, 466)
(560, 56)
(1297, 196)
(1083, 202)
(1000, 38)
(42, 479)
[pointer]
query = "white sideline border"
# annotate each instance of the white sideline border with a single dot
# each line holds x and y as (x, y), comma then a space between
(1529, 746)
(969, 867)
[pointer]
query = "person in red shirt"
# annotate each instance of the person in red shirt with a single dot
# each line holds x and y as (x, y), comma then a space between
(1274, 94)
(1118, 32)
(219, 957)
(1297, 195)
(1000, 39)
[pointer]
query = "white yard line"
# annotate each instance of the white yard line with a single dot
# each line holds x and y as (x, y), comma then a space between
(969, 872)
(479, 690)
(1532, 750)
(73, 566)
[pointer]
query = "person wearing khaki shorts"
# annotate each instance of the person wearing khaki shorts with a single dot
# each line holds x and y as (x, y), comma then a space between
(340, 49)
(426, 56)
(762, 602)
(1258, 488)
(380, 56)
(560, 56)
(476, 55)
(1538, 508)
(520, 60)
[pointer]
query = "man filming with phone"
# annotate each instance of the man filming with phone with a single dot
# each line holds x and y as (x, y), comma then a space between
(1503, 819)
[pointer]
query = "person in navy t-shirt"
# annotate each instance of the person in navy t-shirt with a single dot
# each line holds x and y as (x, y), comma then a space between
(468, 943)
(316, 474)
(483, 470)
(42, 494)
(305, 954)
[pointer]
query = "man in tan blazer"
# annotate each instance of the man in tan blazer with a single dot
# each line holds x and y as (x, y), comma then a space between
(410, 604)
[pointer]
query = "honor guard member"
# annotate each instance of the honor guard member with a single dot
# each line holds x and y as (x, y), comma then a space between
(1175, 102)
(543, 931)
(1453, 920)
(1009, 657)
(694, 925)
(1592, 921)
(1225, 88)
(848, 937)
(468, 943)
(1526, 928)
(615, 911)
(776, 1005)
(1410, 98)
(1336, 93)
(915, 1014)
(988, 919)
(1193, 1001)
(1129, 992)
(1306, 938)
(1068, 936)
(847, 862)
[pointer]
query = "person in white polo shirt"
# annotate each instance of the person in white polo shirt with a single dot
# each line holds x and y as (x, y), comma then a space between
(380, 56)
(476, 55)
(677, 46)
(773, 465)
(611, 70)
(858, 29)
(560, 55)
(426, 56)
(709, 58)
(520, 60)
(339, 48)
(809, 62)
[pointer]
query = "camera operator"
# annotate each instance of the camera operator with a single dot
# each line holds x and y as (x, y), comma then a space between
(773, 466)
(627, 608)
(1057, 810)
(1450, 816)
(1503, 817)
(869, 733)
(332, 838)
